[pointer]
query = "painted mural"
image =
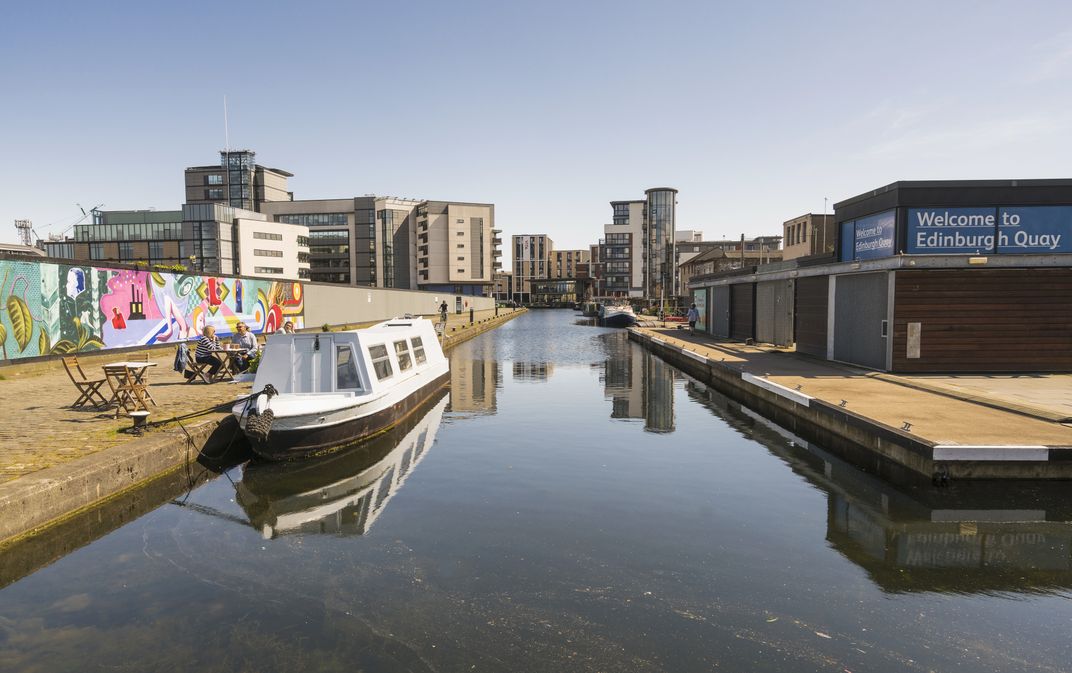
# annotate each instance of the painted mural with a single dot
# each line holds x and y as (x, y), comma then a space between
(53, 309)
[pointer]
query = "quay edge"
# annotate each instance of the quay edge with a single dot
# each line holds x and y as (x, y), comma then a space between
(40, 500)
(836, 427)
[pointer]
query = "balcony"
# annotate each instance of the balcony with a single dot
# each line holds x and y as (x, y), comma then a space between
(496, 241)
(496, 253)
(497, 265)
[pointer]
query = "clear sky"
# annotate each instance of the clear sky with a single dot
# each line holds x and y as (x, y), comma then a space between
(755, 111)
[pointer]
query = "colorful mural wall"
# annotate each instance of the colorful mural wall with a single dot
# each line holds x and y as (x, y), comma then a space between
(53, 309)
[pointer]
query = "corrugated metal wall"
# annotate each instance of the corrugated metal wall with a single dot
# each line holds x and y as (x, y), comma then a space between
(812, 299)
(860, 302)
(774, 312)
(720, 311)
(742, 311)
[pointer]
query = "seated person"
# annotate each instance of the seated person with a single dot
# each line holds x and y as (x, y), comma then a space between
(247, 342)
(205, 345)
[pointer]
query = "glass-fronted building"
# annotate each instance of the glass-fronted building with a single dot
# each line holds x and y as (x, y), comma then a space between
(660, 259)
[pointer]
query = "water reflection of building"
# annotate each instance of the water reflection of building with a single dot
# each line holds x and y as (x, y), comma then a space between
(342, 494)
(639, 385)
(473, 384)
(533, 371)
(910, 536)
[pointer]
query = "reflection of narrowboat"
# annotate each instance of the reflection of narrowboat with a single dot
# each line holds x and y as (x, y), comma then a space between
(320, 392)
(619, 315)
(344, 493)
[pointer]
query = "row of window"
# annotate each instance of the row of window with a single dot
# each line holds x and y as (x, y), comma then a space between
(257, 252)
(267, 269)
(169, 231)
(315, 219)
(381, 360)
(267, 236)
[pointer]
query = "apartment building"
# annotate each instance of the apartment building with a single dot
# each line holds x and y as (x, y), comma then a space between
(237, 181)
(386, 241)
(568, 264)
(532, 261)
(621, 254)
(809, 234)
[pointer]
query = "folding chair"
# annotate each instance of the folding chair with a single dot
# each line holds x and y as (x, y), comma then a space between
(125, 391)
(88, 389)
(200, 370)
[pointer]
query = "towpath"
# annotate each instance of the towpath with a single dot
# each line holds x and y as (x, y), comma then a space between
(968, 410)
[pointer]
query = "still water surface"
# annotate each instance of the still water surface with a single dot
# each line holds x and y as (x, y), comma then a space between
(575, 504)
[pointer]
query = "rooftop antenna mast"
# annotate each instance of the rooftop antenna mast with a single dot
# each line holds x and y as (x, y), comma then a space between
(226, 129)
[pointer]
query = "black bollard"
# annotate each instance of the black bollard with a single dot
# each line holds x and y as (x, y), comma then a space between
(470, 315)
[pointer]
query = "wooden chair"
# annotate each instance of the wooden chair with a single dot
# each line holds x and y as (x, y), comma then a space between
(143, 377)
(200, 370)
(126, 392)
(88, 389)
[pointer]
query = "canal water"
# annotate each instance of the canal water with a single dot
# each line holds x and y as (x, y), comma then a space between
(575, 504)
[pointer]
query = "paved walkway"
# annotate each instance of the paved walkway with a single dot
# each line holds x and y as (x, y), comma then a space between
(933, 416)
(39, 428)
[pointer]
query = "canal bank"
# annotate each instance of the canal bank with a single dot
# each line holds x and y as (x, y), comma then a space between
(61, 461)
(931, 433)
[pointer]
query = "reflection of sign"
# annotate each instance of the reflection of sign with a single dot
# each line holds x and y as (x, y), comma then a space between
(972, 231)
(874, 236)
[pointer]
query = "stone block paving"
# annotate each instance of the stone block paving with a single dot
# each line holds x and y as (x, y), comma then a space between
(40, 429)
(933, 416)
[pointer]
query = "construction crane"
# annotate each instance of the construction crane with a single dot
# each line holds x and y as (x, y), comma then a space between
(59, 236)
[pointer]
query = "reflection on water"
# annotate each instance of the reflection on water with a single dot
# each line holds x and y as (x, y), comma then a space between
(909, 536)
(543, 533)
(342, 494)
(638, 384)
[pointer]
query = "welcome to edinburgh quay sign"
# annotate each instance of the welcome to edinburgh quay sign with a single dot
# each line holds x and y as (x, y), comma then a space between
(974, 231)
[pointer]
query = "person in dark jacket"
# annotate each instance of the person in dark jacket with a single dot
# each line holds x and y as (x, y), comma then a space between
(204, 353)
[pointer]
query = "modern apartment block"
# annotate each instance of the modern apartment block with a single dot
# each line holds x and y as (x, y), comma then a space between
(622, 253)
(532, 261)
(567, 264)
(809, 234)
(385, 241)
(237, 181)
(504, 285)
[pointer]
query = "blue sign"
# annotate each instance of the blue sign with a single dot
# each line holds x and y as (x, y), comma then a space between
(1035, 229)
(845, 241)
(951, 231)
(874, 236)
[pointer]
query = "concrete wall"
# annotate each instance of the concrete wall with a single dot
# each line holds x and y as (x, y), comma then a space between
(340, 304)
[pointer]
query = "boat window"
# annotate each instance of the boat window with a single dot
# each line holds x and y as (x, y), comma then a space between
(402, 351)
(381, 361)
(418, 350)
(345, 369)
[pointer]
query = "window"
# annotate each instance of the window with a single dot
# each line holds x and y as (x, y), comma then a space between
(418, 350)
(267, 253)
(303, 241)
(267, 269)
(804, 233)
(213, 193)
(381, 361)
(345, 369)
(267, 237)
(461, 270)
(96, 251)
(156, 250)
(216, 179)
(315, 219)
(461, 245)
(402, 351)
(460, 233)
(126, 251)
(461, 221)
(461, 259)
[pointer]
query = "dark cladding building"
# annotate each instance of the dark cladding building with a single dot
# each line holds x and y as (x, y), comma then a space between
(951, 276)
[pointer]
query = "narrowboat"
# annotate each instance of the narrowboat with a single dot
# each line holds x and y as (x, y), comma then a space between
(315, 393)
(344, 493)
(619, 315)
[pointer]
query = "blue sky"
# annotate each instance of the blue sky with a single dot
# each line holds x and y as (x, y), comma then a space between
(754, 111)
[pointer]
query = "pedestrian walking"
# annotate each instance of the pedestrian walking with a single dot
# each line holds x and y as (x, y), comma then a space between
(693, 315)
